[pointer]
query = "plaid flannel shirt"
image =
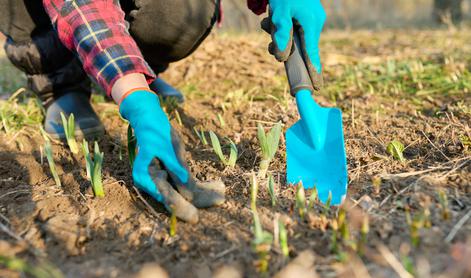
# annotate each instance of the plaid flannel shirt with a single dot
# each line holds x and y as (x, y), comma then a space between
(97, 31)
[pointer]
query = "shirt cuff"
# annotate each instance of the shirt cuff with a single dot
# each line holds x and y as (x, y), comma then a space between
(130, 65)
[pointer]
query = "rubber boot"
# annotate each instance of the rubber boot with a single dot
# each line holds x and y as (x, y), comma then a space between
(166, 91)
(87, 123)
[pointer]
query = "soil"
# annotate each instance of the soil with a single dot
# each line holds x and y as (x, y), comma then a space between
(118, 235)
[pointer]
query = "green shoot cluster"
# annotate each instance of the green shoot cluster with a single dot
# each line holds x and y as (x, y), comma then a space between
(231, 161)
(94, 168)
(269, 143)
(69, 130)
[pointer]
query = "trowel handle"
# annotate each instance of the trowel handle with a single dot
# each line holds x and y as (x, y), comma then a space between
(296, 69)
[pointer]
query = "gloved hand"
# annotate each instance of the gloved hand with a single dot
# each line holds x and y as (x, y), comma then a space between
(161, 160)
(309, 17)
(153, 133)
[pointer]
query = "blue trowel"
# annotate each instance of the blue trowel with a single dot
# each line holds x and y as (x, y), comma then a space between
(315, 147)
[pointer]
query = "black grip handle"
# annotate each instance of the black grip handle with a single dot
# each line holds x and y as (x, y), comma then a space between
(296, 69)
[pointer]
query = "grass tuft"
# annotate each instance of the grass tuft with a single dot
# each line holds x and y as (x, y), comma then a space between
(94, 168)
(50, 161)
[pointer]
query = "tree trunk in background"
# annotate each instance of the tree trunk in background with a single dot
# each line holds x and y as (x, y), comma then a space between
(448, 11)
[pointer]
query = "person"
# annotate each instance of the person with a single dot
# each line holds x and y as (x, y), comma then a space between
(123, 46)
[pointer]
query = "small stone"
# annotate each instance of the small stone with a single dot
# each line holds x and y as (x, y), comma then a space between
(366, 203)
(301, 267)
(227, 272)
(152, 271)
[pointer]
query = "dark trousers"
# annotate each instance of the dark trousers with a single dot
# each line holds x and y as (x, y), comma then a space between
(165, 31)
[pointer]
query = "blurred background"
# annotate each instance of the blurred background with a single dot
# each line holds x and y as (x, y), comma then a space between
(367, 14)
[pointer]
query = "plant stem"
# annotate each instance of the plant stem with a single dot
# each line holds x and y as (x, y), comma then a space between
(52, 165)
(262, 172)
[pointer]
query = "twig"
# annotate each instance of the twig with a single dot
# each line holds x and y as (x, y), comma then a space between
(265, 122)
(5, 218)
(385, 200)
(410, 174)
(381, 142)
(393, 262)
(225, 252)
(430, 141)
(9, 232)
(431, 169)
(13, 192)
(455, 169)
(457, 227)
(152, 210)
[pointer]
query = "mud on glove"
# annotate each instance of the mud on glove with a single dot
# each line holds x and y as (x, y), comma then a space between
(308, 16)
(153, 133)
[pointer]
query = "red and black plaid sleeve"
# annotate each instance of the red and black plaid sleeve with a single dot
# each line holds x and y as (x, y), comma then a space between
(97, 32)
(258, 6)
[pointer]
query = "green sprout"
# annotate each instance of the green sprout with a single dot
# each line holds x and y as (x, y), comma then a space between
(343, 225)
(69, 130)
(313, 198)
(415, 224)
(444, 204)
(201, 136)
(426, 217)
(132, 145)
(301, 200)
(94, 168)
(43, 270)
(335, 247)
(327, 204)
(396, 149)
(178, 118)
(269, 143)
(364, 230)
(333, 239)
(169, 104)
(376, 181)
(253, 192)
(222, 123)
(231, 161)
(283, 238)
(261, 243)
(50, 161)
(271, 190)
(173, 222)
(466, 142)
(408, 264)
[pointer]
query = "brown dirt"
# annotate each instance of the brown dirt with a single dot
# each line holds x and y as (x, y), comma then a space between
(116, 236)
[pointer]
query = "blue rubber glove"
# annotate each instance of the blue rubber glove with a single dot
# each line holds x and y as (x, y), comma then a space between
(308, 17)
(153, 133)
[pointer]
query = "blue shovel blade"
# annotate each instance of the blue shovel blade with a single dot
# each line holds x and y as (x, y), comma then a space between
(315, 150)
